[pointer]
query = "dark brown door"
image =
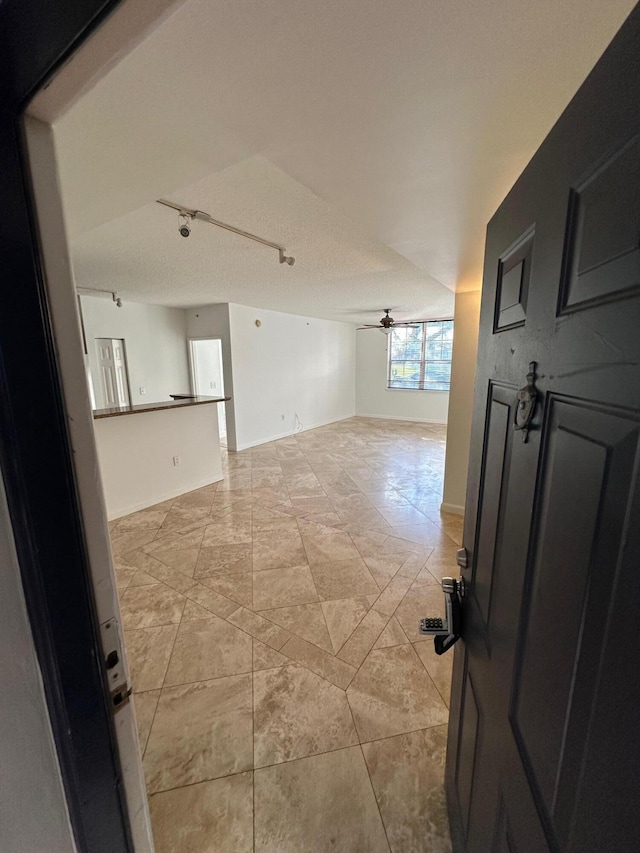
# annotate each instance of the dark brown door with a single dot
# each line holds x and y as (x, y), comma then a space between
(544, 740)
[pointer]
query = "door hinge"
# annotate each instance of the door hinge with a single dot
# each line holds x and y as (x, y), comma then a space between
(115, 664)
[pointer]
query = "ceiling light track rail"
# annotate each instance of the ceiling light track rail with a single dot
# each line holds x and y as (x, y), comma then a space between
(95, 292)
(190, 214)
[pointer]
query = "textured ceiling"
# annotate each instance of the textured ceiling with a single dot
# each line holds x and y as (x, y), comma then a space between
(374, 140)
(339, 273)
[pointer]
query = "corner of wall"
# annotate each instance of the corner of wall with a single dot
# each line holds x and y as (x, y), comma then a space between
(463, 370)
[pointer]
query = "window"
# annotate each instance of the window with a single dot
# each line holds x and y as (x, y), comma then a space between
(420, 357)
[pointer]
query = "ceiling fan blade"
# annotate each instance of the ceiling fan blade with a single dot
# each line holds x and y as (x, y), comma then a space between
(370, 326)
(408, 325)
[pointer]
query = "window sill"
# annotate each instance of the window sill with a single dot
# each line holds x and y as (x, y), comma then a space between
(427, 390)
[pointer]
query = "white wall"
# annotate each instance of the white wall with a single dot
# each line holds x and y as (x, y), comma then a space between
(289, 366)
(463, 373)
(289, 373)
(33, 809)
(375, 400)
(136, 456)
(155, 341)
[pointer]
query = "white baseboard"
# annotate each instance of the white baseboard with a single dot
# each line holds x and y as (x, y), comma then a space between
(122, 511)
(289, 433)
(407, 420)
(454, 508)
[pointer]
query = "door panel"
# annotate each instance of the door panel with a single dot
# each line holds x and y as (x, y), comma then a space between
(602, 253)
(496, 466)
(503, 840)
(514, 271)
(467, 751)
(475, 779)
(121, 375)
(591, 454)
(113, 372)
(544, 727)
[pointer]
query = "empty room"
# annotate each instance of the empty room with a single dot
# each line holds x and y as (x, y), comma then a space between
(314, 316)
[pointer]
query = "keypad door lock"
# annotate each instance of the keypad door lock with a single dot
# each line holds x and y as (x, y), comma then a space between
(446, 631)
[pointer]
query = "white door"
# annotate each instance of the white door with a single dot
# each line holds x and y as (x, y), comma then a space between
(206, 368)
(112, 365)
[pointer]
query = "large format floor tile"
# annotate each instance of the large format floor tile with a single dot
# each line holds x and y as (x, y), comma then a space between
(439, 667)
(208, 648)
(407, 773)
(320, 804)
(392, 693)
(210, 817)
(330, 546)
(278, 554)
(283, 587)
(271, 627)
(342, 579)
(200, 731)
(149, 605)
(297, 713)
(145, 705)
(344, 615)
(148, 653)
(230, 558)
(304, 620)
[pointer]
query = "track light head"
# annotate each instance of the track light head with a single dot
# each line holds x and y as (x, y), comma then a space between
(116, 299)
(184, 226)
(286, 259)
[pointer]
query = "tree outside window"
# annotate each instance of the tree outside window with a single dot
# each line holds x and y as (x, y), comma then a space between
(420, 357)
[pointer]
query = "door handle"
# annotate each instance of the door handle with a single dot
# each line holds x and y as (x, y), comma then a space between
(446, 632)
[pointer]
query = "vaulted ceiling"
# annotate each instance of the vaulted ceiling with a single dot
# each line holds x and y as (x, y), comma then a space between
(373, 139)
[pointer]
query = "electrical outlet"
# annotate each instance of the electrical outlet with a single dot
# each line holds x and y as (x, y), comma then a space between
(143, 390)
(212, 384)
(176, 461)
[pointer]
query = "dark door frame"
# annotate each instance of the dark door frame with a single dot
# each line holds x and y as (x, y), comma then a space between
(36, 38)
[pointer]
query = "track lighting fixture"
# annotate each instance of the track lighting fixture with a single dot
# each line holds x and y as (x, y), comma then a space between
(187, 216)
(91, 291)
(286, 259)
(184, 225)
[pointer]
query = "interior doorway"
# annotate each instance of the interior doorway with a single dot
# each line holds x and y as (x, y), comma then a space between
(114, 377)
(207, 378)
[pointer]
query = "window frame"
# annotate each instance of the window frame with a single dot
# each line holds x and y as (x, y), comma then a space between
(423, 360)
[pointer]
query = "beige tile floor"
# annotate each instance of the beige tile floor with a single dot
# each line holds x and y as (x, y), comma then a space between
(284, 697)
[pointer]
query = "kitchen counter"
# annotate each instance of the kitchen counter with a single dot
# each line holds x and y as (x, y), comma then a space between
(115, 411)
(173, 449)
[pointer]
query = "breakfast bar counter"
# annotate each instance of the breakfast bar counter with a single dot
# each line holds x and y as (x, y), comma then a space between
(173, 449)
(179, 402)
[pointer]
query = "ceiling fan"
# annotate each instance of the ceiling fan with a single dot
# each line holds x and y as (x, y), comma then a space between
(387, 323)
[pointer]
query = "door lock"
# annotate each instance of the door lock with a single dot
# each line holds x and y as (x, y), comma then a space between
(446, 631)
